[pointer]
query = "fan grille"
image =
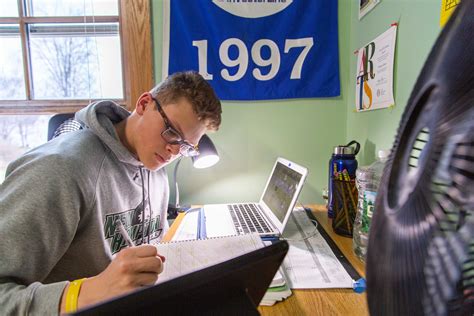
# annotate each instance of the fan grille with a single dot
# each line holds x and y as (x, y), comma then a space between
(420, 257)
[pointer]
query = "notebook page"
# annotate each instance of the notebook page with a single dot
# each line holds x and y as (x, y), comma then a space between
(184, 257)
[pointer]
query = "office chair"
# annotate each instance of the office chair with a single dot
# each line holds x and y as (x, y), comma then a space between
(62, 123)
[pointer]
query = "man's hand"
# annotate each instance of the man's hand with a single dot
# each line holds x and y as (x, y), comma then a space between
(132, 268)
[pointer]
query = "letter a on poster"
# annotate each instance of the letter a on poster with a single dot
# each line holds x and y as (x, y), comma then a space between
(374, 73)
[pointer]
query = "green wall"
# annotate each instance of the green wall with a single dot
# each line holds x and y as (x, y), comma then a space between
(417, 30)
(253, 134)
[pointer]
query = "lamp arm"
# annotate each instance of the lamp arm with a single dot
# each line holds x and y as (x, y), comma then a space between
(175, 172)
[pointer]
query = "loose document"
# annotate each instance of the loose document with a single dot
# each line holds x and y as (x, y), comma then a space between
(310, 262)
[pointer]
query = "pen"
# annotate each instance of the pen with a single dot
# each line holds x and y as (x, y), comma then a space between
(124, 233)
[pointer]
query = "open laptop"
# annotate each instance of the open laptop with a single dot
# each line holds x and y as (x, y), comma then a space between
(268, 217)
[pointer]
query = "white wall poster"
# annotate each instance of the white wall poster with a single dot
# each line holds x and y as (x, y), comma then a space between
(374, 73)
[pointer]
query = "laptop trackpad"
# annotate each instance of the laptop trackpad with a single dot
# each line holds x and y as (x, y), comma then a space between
(218, 221)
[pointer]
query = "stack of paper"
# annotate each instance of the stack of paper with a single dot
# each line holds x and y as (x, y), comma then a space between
(277, 291)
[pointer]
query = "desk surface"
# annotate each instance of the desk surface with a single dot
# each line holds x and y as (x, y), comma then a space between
(320, 301)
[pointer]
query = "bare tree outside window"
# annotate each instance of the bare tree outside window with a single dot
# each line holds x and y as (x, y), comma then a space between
(117, 36)
(15, 129)
(7, 125)
(12, 87)
(64, 68)
(18, 134)
(76, 61)
(11, 68)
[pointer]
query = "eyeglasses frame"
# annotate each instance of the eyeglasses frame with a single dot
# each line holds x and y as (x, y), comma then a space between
(169, 126)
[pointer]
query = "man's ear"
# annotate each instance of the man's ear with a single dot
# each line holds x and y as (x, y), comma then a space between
(143, 101)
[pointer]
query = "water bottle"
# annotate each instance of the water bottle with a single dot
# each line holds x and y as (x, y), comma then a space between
(342, 158)
(367, 183)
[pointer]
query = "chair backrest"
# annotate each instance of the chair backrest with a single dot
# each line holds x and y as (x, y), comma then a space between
(62, 123)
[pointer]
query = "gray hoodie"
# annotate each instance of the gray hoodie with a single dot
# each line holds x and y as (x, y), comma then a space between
(59, 205)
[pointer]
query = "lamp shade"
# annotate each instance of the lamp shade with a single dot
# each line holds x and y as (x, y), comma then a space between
(207, 154)
(207, 157)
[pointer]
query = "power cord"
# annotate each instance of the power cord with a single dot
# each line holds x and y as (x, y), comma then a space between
(193, 209)
(313, 233)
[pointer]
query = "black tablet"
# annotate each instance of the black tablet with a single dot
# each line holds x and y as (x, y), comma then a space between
(235, 287)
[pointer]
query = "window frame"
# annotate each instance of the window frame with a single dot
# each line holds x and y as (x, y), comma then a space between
(134, 20)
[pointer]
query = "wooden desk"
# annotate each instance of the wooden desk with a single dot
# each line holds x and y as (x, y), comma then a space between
(315, 302)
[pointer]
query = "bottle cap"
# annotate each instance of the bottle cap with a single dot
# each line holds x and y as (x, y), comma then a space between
(383, 154)
(359, 285)
(343, 150)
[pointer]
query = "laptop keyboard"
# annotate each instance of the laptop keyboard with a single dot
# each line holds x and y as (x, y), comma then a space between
(247, 219)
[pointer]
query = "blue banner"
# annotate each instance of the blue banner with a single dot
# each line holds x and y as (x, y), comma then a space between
(255, 49)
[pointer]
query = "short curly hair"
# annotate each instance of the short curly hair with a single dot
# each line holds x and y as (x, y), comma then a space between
(192, 86)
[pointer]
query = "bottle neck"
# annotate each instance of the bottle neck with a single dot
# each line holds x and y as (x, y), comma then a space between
(342, 156)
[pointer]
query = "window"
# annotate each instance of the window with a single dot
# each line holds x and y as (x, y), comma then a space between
(18, 134)
(57, 56)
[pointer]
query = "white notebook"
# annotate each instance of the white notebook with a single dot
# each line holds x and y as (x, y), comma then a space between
(186, 256)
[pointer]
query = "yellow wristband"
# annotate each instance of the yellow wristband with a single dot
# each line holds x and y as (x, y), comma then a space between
(72, 295)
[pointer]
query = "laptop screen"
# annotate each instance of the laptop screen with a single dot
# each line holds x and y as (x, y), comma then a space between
(281, 189)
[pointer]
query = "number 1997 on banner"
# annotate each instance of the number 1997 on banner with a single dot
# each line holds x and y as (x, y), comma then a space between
(242, 59)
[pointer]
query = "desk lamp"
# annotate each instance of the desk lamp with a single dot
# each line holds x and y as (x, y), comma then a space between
(207, 157)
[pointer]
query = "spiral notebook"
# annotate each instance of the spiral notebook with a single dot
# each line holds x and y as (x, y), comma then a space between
(186, 256)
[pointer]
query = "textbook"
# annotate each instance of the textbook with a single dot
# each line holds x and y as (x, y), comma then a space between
(275, 294)
(277, 291)
(278, 279)
(186, 256)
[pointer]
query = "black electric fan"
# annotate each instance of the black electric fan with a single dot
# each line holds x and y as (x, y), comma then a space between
(420, 258)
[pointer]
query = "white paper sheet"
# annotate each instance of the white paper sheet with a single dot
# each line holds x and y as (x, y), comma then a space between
(374, 76)
(310, 263)
(187, 229)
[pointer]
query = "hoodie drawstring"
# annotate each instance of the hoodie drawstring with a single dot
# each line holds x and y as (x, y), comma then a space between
(143, 205)
(149, 204)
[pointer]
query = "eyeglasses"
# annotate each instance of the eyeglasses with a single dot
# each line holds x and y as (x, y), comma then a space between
(173, 137)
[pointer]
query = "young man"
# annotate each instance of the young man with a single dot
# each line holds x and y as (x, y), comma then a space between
(61, 203)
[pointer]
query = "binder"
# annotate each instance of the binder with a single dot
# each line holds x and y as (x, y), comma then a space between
(235, 286)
